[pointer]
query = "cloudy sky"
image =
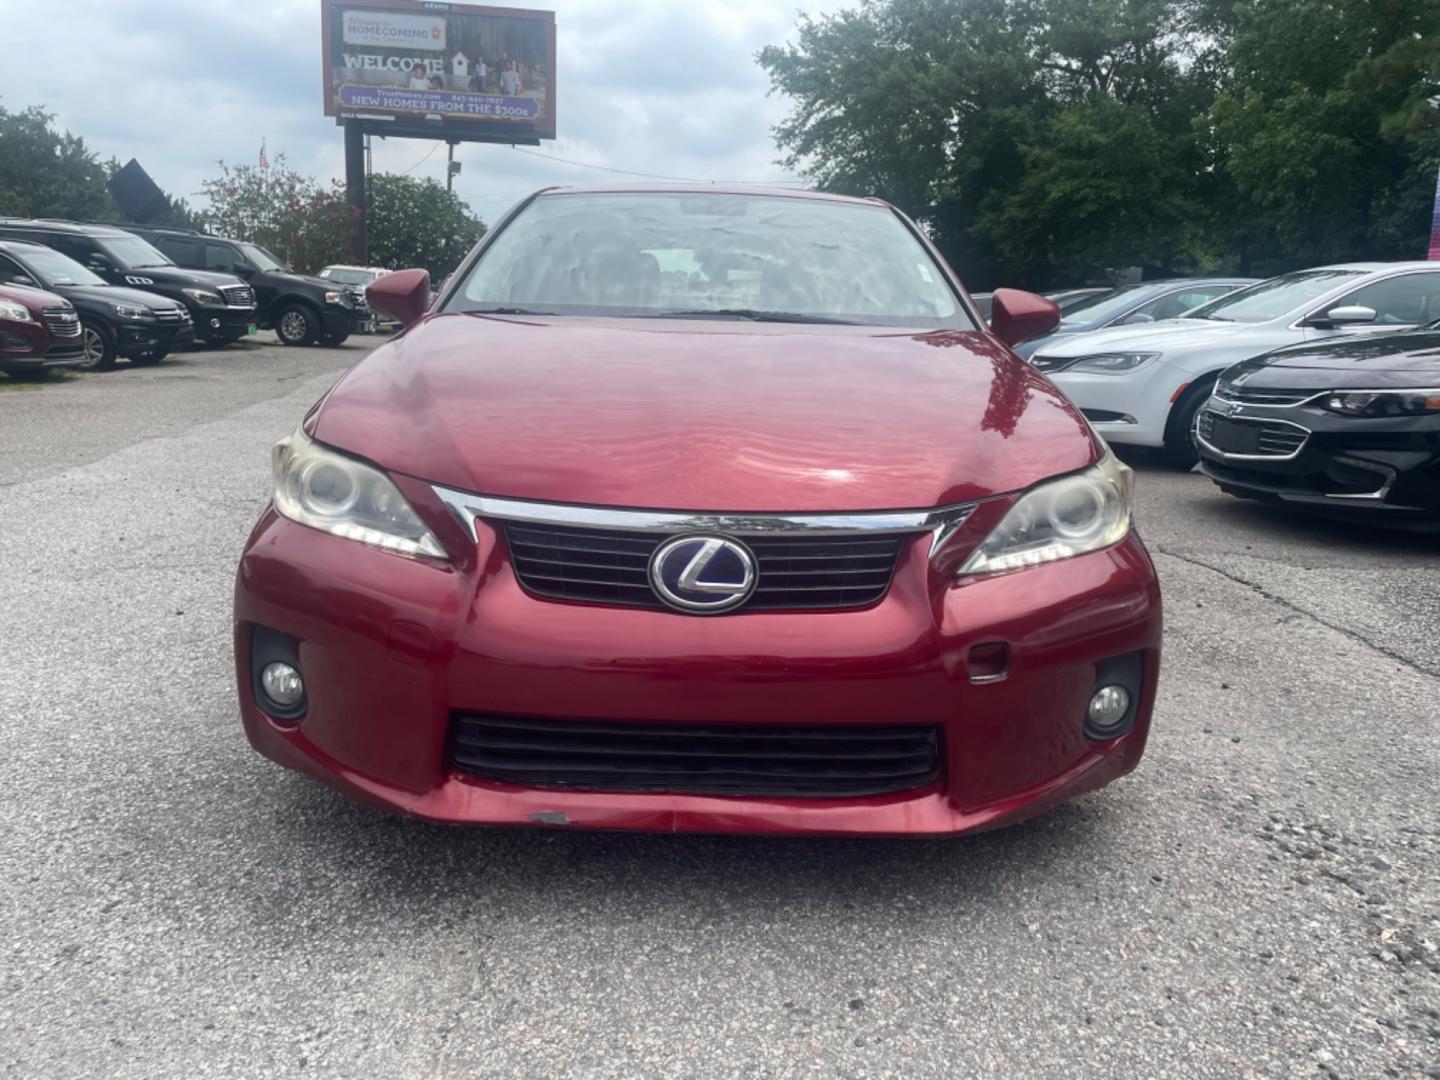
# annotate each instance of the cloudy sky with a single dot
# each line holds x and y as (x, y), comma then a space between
(657, 86)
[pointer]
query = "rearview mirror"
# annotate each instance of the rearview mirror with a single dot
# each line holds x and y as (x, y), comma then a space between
(1017, 316)
(403, 295)
(1341, 316)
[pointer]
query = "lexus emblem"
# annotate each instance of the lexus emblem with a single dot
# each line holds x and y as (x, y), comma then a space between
(702, 575)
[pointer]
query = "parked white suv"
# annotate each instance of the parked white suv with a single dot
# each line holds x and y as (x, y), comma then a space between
(1143, 385)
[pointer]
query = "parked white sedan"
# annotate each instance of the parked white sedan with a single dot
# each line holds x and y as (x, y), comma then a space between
(1143, 385)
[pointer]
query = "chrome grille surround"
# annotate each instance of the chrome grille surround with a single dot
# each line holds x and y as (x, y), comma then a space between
(805, 561)
(1279, 440)
(63, 322)
(238, 296)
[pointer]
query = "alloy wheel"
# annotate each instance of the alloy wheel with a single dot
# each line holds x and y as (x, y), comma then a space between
(293, 326)
(93, 347)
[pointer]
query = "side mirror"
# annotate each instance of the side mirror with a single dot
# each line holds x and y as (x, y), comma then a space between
(403, 295)
(1017, 316)
(21, 279)
(1138, 317)
(1343, 316)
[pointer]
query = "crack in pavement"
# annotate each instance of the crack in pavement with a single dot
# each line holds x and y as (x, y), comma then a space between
(1353, 635)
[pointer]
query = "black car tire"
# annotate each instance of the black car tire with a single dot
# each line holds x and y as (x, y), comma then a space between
(1180, 447)
(296, 324)
(98, 345)
(149, 359)
(332, 340)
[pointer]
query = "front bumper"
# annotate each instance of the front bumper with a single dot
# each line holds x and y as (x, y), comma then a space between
(1132, 409)
(223, 321)
(339, 322)
(1383, 468)
(133, 339)
(392, 648)
(31, 347)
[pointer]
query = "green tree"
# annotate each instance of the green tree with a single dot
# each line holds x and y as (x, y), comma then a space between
(49, 173)
(304, 222)
(1324, 133)
(996, 122)
(418, 223)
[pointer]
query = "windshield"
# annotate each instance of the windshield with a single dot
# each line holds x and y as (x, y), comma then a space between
(57, 269)
(132, 253)
(653, 254)
(260, 257)
(1102, 308)
(347, 277)
(1274, 298)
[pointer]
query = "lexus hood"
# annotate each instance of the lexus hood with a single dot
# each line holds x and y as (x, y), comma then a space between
(715, 416)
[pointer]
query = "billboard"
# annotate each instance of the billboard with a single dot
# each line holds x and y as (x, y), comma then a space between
(416, 60)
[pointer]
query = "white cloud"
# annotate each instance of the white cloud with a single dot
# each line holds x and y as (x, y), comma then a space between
(658, 86)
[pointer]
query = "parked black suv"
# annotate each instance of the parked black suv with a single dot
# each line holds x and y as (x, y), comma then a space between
(221, 305)
(115, 321)
(301, 310)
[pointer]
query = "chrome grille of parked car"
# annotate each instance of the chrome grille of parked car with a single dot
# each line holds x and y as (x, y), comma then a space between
(612, 566)
(238, 296)
(63, 322)
(711, 760)
(172, 315)
(1245, 396)
(1273, 439)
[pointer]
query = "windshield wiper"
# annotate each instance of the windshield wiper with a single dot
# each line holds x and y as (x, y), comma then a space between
(752, 314)
(506, 311)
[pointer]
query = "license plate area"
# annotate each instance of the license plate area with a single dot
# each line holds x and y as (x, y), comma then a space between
(1234, 437)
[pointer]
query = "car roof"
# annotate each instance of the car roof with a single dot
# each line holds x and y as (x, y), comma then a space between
(1373, 267)
(59, 225)
(7, 243)
(711, 189)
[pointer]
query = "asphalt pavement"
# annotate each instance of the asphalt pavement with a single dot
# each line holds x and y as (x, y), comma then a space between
(1261, 898)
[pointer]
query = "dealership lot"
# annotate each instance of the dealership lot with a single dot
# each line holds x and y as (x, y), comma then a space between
(1260, 897)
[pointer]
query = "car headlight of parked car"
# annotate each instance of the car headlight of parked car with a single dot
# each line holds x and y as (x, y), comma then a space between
(130, 311)
(326, 490)
(14, 312)
(339, 299)
(1082, 512)
(204, 297)
(1383, 402)
(1118, 363)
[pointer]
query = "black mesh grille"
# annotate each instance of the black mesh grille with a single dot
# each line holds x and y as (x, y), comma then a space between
(804, 762)
(1254, 437)
(611, 567)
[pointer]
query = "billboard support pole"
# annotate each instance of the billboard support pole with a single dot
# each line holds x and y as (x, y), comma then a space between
(355, 193)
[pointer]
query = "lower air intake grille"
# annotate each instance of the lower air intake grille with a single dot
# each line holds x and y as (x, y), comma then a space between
(612, 567)
(809, 762)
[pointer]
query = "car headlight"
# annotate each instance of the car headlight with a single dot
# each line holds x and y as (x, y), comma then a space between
(205, 297)
(130, 311)
(14, 312)
(339, 299)
(326, 490)
(1383, 402)
(1118, 363)
(1082, 512)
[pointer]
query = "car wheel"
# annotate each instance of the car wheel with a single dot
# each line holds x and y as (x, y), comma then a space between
(96, 346)
(149, 359)
(296, 325)
(332, 340)
(1180, 446)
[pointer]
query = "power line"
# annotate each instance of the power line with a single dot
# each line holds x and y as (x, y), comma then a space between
(646, 175)
(422, 161)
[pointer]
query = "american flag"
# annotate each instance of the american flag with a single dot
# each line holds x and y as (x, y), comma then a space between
(264, 161)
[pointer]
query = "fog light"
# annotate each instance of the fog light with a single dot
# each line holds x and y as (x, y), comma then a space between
(282, 685)
(214, 324)
(1108, 708)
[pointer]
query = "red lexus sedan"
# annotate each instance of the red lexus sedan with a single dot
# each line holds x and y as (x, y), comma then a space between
(717, 510)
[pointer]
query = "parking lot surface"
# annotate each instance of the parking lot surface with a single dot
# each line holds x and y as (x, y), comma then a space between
(1261, 898)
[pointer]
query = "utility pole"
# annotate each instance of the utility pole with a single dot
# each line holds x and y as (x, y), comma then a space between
(451, 168)
(355, 192)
